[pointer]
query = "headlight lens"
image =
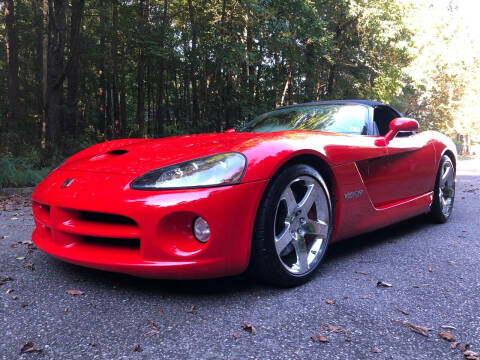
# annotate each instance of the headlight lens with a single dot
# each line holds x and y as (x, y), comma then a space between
(215, 170)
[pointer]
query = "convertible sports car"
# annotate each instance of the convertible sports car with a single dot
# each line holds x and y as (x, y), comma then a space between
(268, 198)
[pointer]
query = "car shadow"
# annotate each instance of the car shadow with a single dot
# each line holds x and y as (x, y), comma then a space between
(389, 234)
(234, 284)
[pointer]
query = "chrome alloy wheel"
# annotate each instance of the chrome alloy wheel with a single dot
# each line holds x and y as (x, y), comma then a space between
(302, 224)
(446, 191)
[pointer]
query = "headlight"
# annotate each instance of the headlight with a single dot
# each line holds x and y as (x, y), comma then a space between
(215, 170)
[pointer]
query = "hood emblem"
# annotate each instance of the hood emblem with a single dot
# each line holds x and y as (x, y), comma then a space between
(67, 183)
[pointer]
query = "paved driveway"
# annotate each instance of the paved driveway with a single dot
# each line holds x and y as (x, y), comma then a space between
(434, 271)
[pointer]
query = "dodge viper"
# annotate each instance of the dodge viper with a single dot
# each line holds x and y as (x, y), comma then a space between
(267, 199)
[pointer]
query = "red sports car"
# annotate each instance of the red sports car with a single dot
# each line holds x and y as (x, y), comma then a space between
(268, 198)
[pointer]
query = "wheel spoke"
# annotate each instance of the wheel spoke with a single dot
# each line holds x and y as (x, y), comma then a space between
(446, 174)
(282, 240)
(290, 200)
(310, 196)
(302, 254)
(316, 227)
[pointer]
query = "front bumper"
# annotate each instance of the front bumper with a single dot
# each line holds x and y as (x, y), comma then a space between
(99, 222)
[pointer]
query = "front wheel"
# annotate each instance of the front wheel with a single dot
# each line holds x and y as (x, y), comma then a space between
(444, 193)
(292, 228)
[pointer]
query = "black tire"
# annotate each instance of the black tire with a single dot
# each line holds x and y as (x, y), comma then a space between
(442, 205)
(266, 264)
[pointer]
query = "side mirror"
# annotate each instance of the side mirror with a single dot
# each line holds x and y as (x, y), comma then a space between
(398, 125)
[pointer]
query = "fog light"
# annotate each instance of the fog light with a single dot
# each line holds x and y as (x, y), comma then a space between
(201, 230)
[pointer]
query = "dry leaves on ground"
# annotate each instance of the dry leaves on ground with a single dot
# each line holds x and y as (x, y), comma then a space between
(330, 302)
(137, 348)
(446, 336)
(383, 284)
(29, 266)
(30, 348)
(363, 272)
(4, 279)
(403, 311)
(154, 329)
(75, 292)
(319, 338)
(249, 328)
(422, 330)
(471, 355)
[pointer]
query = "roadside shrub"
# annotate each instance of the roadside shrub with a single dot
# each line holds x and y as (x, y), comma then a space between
(20, 171)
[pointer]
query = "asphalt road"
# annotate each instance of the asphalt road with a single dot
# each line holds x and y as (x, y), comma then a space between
(434, 271)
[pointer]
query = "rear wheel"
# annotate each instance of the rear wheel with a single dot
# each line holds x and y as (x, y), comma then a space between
(444, 193)
(292, 227)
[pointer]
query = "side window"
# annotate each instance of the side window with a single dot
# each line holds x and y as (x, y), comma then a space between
(382, 117)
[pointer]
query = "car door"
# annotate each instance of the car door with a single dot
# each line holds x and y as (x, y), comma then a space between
(405, 170)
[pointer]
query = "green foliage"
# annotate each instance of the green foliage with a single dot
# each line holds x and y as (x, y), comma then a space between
(20, 171)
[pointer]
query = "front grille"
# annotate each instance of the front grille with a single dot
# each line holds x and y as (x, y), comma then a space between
(95, 229)
(106, 218)
(95, 240)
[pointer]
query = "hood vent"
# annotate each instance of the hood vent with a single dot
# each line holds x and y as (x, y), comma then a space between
(117, 152)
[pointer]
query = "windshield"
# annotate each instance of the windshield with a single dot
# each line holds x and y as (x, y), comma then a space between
(338, 118)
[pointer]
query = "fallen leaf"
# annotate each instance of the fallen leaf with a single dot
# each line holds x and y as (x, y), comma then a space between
(4, 279)
(377, 350)
(137, 348)
(335, 329)
(464, 347)
(471, 355)
(249, 328)
(403, 311)
(362, 272)
(383, 284)
(330, 302)
(446, 336)
(30, 348)
(454, 345)
(29, 266)
(193, 310)
(319, 338)
(20, 258)
(75, 292)
(154, 329)
(14, 297)
(448, 327)
(9, 291)
(415, 328)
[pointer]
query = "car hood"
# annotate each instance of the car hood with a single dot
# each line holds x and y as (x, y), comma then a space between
(138, 156)
(265, 152)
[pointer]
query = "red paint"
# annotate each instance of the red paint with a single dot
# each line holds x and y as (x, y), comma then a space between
(151, 233)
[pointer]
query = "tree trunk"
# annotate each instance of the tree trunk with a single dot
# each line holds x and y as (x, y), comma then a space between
(114, 54)
(12, 60)
(141, 78)
(193, 66)
(73, 68)
(161, 70)
(57, 31)
(43, 140)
